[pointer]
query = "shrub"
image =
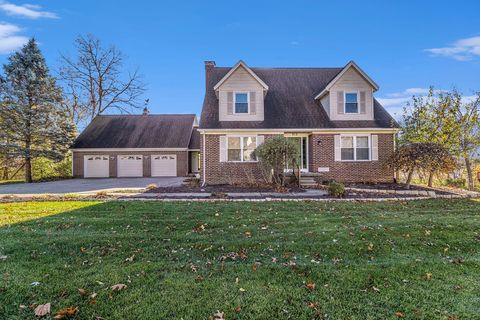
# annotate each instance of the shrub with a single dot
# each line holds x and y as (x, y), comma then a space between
(456, 183)
(273, 156)
(336, 189)
(193, 182)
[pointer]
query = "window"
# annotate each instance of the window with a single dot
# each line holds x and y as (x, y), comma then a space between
(351, 102)
(355, 148)
(241, 148)
(241, 102)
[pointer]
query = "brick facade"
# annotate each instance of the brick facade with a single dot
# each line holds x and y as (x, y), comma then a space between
(182, 161)
(321, 153)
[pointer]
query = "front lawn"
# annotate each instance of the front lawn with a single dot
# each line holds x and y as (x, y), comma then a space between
(415, 260)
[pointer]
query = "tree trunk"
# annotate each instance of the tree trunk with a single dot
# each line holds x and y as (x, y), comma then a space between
(5, 168)
(28, 161)
(409, 178)
(430, 178)
(469, 173)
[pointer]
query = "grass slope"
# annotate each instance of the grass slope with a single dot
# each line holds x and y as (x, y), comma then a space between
(249, 260)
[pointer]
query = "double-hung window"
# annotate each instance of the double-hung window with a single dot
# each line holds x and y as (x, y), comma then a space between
(241, 102)
(355, 148)
(351, 102)
(241, 149)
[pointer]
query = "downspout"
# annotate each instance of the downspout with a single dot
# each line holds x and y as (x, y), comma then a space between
(203, 159)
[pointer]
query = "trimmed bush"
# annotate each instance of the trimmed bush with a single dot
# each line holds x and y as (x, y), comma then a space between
(336, 189)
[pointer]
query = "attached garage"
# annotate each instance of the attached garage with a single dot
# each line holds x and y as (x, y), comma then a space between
(96, 166)
(164, 165)
(136, 146)
(130, 166)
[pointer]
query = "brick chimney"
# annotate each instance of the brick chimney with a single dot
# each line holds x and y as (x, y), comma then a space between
(209, 65)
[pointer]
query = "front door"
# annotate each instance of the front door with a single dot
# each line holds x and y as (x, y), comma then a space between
(302, 149)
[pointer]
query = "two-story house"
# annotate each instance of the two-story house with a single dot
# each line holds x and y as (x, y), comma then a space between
(341, 131)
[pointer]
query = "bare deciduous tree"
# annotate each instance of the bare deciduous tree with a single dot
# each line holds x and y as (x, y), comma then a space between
(94, 81)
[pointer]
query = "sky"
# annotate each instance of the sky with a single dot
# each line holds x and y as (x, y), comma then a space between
(405, 46)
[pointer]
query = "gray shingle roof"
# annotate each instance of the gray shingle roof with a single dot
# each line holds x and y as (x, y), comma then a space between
(137, 131)
(289, 102)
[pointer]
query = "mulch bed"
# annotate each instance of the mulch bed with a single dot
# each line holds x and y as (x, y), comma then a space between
(222, 189)
(395, 186)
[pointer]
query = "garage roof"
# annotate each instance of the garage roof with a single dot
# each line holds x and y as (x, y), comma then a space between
(138, 131)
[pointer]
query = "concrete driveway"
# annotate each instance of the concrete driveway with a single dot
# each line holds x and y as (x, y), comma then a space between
(87, 185)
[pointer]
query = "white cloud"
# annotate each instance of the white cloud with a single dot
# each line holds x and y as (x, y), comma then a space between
(9, 38)
(29, 11)
(462, 50)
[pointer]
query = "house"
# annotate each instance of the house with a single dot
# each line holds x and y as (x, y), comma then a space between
(341, 130)
(137, 146)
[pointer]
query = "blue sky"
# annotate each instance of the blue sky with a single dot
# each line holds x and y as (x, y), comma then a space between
(405, 46)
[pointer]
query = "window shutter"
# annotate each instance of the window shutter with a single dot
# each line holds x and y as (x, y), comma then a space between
(223, 148)
(363, 102)
(253, 103)
(260, 140)
(338, 150)
(340, 103)
(229, 102)
(374, 147)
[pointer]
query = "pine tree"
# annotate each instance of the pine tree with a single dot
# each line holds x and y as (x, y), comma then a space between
(32, 109)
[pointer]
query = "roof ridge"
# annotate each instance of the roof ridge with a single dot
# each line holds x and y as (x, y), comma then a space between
(289, 68)
(146, 115)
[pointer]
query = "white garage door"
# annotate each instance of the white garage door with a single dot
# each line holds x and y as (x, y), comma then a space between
(95, 167)
(130, 166)
(164, 165)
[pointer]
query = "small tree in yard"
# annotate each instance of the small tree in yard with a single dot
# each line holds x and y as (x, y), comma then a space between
(274, 154)
(430, 158)
(31, 109)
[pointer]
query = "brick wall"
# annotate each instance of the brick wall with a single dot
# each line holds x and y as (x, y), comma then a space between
(217, 172)
(182, 161)
(323, 155)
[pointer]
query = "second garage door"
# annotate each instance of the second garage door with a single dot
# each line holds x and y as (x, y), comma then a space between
(130, 166)
(164, 165)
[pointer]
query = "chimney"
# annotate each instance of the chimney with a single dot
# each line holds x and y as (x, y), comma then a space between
(209, 65)
(146, 111)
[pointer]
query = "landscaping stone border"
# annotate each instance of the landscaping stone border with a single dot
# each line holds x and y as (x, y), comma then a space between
(425, 193)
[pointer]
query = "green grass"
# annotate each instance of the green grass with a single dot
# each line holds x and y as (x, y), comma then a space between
(177, 271)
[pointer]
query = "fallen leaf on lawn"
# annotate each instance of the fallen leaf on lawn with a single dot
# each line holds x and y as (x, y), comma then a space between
(82, 249)
(370, 247)
(219, 315)
(66, 312)
(310, 285)
(199, 279)
(93, 295)
(428, 275)
(248, 234)
(22, 306)
(254, 266)
(399, 314)
(82, 291)
(375, 289)
(237, 280)
(35, 283)
(238, 309)
(42, 310)
(365, 228)
(92, 301)
(3, 257)
(130, 259)
(428, 232)
(119, 286)
(312, 305)
(242, 290)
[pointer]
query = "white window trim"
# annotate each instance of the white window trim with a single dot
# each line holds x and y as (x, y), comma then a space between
(235, 102)
(345, 102)
(241, 147)
(355, 136)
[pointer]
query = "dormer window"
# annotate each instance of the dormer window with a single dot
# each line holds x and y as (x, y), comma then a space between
(241, 102)
(351, 102)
